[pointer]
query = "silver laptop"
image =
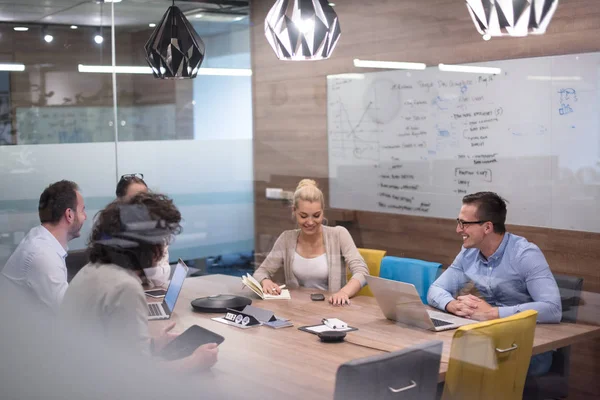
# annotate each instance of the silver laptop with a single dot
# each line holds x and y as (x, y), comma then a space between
(400, 301)
(163, 310)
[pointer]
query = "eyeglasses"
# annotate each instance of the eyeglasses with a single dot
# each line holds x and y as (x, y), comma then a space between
(461, 223)
(132, 176)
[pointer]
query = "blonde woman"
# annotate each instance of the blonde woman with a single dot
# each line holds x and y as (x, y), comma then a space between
(314, 256)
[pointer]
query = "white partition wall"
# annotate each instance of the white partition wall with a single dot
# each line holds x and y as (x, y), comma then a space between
(192, 139)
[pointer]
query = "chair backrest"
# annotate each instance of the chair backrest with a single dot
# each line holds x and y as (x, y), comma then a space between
(570, 294)
(76, 259)
(418, 272)
(489, 360)
(373, 259)
(410, 373)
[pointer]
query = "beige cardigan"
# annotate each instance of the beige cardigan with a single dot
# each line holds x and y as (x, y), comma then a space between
(339, 249)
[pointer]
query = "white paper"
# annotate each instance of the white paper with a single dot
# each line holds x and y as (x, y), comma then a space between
(323, 328)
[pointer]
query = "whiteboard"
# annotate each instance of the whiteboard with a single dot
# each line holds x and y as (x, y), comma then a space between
(415, 142)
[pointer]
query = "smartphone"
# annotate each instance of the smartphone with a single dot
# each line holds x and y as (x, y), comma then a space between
(317, 297)
(156, 293)
(186, 343)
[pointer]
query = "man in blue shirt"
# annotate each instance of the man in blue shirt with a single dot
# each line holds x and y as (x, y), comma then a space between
(510, 273)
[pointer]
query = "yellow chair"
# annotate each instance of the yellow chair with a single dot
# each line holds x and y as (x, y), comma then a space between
(373, 259)
(489, 360)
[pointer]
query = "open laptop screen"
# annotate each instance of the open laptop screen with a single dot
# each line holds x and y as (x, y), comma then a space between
(176, 284)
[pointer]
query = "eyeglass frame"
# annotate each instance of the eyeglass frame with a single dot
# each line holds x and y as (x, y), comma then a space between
(461, 223)
(138, 175)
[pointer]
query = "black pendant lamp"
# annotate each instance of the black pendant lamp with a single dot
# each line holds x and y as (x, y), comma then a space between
(302, 29)
(511, 18)
(174, 50)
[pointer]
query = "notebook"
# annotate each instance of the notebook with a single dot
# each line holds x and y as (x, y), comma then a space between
(256, 287)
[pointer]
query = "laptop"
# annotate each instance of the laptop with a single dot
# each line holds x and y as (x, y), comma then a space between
(400, 301)
(163, 310)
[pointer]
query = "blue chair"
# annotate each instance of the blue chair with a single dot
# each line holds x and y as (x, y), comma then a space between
(417, 272)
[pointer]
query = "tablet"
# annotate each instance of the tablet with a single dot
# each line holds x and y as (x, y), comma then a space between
(186, 343)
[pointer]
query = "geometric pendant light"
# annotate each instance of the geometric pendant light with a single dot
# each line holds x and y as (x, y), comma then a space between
(174, 50)
(511, 17)
(302, 29)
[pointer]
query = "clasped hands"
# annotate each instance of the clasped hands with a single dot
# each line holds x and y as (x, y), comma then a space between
(337, 299)
(472, 307)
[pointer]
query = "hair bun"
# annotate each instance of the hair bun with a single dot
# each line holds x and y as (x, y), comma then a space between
(306, 182)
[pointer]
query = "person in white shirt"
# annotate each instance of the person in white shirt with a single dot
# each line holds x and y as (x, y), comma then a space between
(37, 265)
(128, 186)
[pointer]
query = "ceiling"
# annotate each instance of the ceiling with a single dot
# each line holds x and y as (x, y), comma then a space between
(217, 16)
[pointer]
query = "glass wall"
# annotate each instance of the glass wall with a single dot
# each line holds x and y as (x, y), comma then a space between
(192, 139)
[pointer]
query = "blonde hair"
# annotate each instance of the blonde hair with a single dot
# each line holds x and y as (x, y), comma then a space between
(308, 190)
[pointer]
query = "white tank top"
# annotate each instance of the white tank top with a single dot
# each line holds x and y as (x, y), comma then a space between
(311, 272)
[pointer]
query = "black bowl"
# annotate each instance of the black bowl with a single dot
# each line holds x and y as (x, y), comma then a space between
(220, 303)
(331, 336)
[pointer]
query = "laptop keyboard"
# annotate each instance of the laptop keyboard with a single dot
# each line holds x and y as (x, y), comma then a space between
(439, 322)
(154, 309)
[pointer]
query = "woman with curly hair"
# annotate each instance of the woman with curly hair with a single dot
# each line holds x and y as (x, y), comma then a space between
(106, 298)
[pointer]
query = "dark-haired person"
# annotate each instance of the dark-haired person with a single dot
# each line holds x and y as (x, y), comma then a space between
(128, 186)
(510, 273)
(106, 298)
(38, 263)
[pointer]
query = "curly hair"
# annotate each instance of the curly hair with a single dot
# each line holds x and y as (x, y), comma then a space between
(109, 225)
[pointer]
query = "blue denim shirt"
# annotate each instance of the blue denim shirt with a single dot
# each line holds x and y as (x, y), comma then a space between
(515, 278)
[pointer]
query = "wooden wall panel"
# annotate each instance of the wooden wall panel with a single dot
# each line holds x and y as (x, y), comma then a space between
(290, 127)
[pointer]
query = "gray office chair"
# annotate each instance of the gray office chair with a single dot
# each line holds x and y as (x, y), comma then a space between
(406, 374)
(76, 259)
(555, 384)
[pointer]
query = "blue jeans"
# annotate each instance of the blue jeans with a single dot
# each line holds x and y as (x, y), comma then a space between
(540, 364)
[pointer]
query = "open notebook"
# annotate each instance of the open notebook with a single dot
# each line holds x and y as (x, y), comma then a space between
(253, 284)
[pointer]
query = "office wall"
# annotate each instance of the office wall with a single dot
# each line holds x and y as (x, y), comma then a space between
(290, 127)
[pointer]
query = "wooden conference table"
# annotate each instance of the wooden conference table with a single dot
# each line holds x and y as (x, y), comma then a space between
(291, 363)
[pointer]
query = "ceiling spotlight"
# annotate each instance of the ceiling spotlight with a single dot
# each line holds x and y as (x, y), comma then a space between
(74, 26)
(302, 30)
(21, 28)
(98, 37)
(199, 15)
(331, 4)
(152, 25)
(47, 37)
(112, 1)
(238, 18)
